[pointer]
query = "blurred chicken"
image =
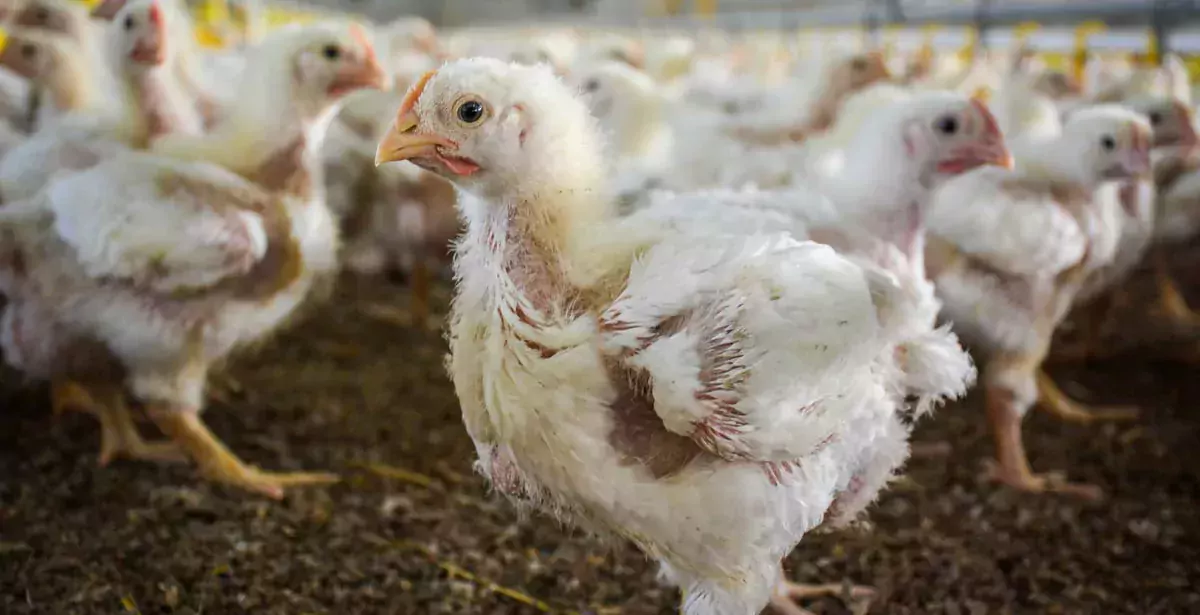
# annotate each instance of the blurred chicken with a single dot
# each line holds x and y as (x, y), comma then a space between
(150, 104)
(612, 370)
(1009, 251)
(158, 268)
(55, 66)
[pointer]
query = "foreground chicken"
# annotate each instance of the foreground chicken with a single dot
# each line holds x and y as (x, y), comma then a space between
(1010, 251)
(147, 270)
(711, 396)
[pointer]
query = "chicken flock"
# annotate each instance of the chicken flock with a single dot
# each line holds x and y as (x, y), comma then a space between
(704, 290)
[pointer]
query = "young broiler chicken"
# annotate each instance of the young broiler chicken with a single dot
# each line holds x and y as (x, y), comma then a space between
(161, 267)
(149, 104)
(710, 395)
(1008, 253)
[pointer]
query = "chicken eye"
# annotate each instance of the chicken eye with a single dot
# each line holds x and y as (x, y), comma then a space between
(947, 125)
(28, 51)
(470, 112)
(591, 86)
(129, 22)
(331, 52)
(41, 15)
(1108, 143)
(1155, 118)
(858, 65)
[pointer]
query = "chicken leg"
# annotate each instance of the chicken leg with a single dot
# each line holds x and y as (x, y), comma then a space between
(1011, 466)
(119, 436)
(786, 594)
(217, 463)
(1053, 400)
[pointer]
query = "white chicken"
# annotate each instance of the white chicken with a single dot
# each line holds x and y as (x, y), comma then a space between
(159, 267)
(710, 395)
(1009, 251)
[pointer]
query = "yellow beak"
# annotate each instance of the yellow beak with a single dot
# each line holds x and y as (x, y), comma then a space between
(403, 142)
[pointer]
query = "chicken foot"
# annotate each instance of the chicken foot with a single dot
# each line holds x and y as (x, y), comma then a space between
(119, 436)
(217, 463)
(783, 600)
(1053, 400)
(1011, 466)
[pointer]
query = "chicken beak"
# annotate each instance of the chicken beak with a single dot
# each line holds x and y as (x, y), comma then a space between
(1135, 160)
(403, 142)
(3, 42)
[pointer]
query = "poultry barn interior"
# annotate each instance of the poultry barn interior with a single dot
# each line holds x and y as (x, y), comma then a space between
(599, 307)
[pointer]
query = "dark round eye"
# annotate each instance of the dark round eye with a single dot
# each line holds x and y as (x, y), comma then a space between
(42, 15)
(1108, 143)
(129, 22)
(1155, 118)
(591, 86)
(470, 111)
(331, 52)
(947, 125)
(28, 51)
(858, 65)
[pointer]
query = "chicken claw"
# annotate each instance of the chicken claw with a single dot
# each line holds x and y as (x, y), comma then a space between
(787, 593)
(217, 463)
(119, 437)
(1053, 400)
(1050, 482)
(1012, 465)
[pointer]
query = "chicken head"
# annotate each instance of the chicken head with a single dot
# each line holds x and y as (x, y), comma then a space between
(470, 123)
(60, 16)
(31, 54)
(1172, 122)
(1106, 142)
(139, 33)
(332, 62)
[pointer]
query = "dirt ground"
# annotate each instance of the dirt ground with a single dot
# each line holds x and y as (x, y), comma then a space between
(412, 530)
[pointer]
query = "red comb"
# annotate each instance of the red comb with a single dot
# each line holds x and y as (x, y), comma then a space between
(414, 93)
(155, 14)
(360, 36)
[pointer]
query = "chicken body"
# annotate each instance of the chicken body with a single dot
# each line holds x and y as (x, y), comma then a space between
(710, 395)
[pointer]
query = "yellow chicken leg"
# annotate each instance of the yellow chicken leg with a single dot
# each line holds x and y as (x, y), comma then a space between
(119, 436)
(787, 593)
(217, 463)
(1053, 400)
(1011, 466)
(68, 395)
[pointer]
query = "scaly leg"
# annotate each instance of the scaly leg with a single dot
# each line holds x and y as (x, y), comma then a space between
(1053, 400)
(1012, 465)
(787, 593)
(217, 463)
(119, 436)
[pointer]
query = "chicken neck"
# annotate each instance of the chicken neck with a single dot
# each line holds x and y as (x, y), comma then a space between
(151, 105)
